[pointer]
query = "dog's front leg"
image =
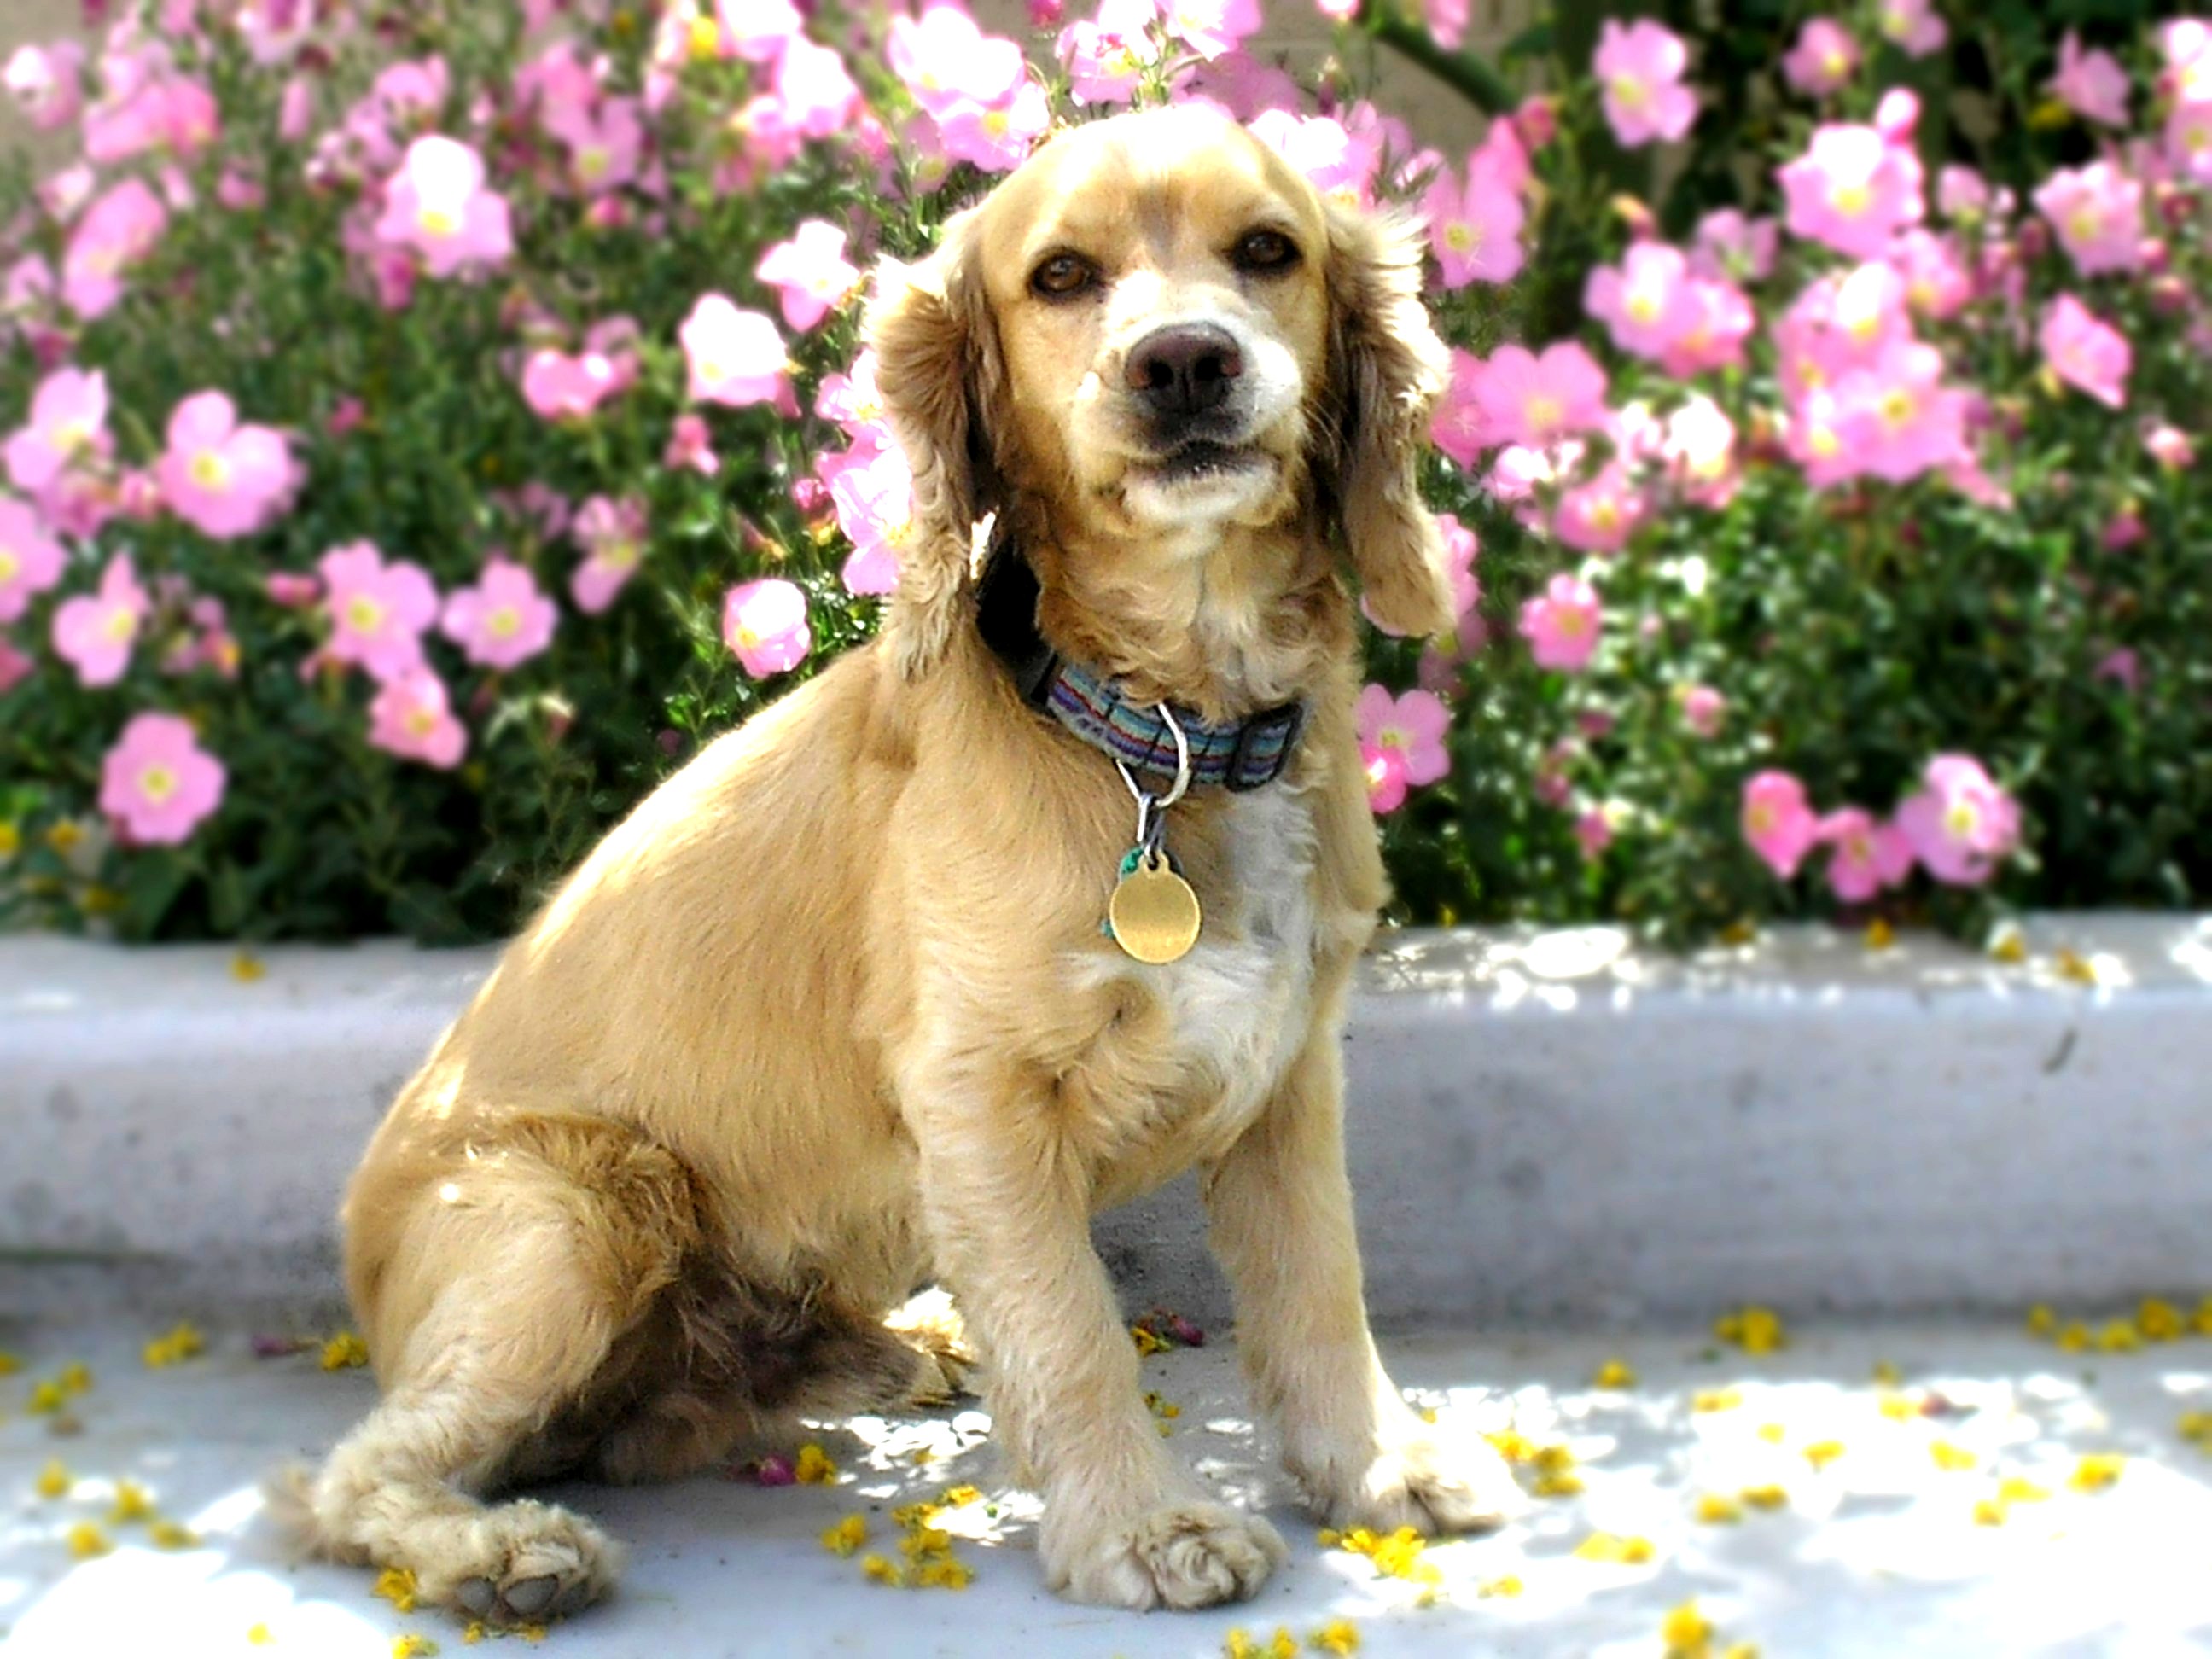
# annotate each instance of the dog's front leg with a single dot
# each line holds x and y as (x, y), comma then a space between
(1124, 1524)
(1279, 1210)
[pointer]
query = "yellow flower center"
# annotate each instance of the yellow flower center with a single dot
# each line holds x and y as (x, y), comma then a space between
(1823, 442)
(438, 221)
(1390, 737)
(619, 556)
(895, 535)
(364, 615)
(10, 566)
(1761, 819)
(1570, 623)
(1897, 407)
(121, 625)
(1835, 64)
(504, 623)
(1606, 514)
(995, 122)
(1543, 412)
(210, 470)
(1461, 238)
(1629, 92)
(2082, 224)
(1851, 200)
(1644, 308)
(705, 40)
(1119, 61)
(594, 160)
(157, 783)
(1961, 819)
(72, 436)
(748, 636)
(421, 721)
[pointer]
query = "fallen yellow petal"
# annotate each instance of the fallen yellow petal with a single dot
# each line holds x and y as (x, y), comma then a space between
(1715, 1510)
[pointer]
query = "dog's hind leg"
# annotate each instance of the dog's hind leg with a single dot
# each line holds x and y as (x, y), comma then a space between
(527, 1268)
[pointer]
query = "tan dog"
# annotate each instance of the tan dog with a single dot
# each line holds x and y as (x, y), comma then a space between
(831, 1015)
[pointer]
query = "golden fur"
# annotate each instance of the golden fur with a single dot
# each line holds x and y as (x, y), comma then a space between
(829, 1017)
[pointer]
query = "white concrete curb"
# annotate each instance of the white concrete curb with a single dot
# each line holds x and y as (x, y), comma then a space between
(1543, 1125)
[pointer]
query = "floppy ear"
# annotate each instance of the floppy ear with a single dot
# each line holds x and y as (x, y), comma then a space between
(1386, 369)
(937, 367)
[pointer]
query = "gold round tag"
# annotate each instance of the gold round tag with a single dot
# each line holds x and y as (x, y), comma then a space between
(1153, 912)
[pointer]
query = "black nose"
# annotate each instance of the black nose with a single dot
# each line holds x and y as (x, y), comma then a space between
(1185, 369)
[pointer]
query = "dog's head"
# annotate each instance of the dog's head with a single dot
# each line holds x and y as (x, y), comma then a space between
(1154, 334)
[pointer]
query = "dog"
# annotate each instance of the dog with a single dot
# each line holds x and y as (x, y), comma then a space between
(868, 997)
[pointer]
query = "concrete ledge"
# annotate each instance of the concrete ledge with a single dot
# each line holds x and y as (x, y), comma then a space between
(1544, 1125)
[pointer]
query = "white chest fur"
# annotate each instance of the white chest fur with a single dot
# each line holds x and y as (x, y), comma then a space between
(1238, 1002)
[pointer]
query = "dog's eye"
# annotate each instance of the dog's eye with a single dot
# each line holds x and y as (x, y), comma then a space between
(1266, 250)
(1063, 275)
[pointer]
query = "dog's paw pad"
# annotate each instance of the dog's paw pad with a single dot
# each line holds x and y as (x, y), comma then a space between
(1185, 1555)
(524, 1562)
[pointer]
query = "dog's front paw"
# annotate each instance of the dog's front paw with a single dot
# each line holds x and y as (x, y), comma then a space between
(1180, 1555)
(1434, 1480)
(520, 1563)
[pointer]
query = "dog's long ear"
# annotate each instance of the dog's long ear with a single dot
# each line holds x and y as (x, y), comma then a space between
(1386, 369)
(937, 368)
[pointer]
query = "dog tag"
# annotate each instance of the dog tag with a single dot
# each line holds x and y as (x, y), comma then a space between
(1153, 915)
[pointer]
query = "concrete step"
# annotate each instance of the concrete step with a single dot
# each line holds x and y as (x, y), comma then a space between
(1873, 1547)
(1543, 1126)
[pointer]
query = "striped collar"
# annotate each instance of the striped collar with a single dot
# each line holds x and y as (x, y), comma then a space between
(1239, 755)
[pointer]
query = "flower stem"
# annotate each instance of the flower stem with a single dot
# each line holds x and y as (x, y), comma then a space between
(1472, 77)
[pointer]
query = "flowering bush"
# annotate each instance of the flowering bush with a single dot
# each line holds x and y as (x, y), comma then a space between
(423, 424)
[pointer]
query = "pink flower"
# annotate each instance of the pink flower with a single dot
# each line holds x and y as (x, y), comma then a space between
(1414, 727)
(1852, 189)
(1459, 426)
(690, 444)
(437, 205)
(1699, 448)
(293, 589)
(1936, 282)
(1600, 516)
(2169, 446)
(945, 60)
(1640, 67)
(2121, 666)
(14, 666)
(818, 94)
(1386, 778)
(68, 424)
(2189, 140)
(603, 149)
(1594, 832)
(1703, 710)
(412, 717)
(1961, 825)
(1461, 548)
(30, 560)
(1777, 822)
(1911, 27)
(2097, 211)
(1868, 856)
(45, 82)
(95, 632)
(165, 112)
(1730, 248)
(1337, 161)
(503, 621)
(764, 622)
(117, 231)
(1898, 421)
(558, 387)
(811, 271)
(223, 478)
(1105, 59)
(2085, 352)
(2091, 83)
(1476, 232)
(997, 137)
(1645, 303)
(1210, 27)
(157, 783)
(736, 357)
(874, 502)
(378, 612)
(1824, 59)
(613, 537)
(1562, 624)
(759, 30)
(1537, 401)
